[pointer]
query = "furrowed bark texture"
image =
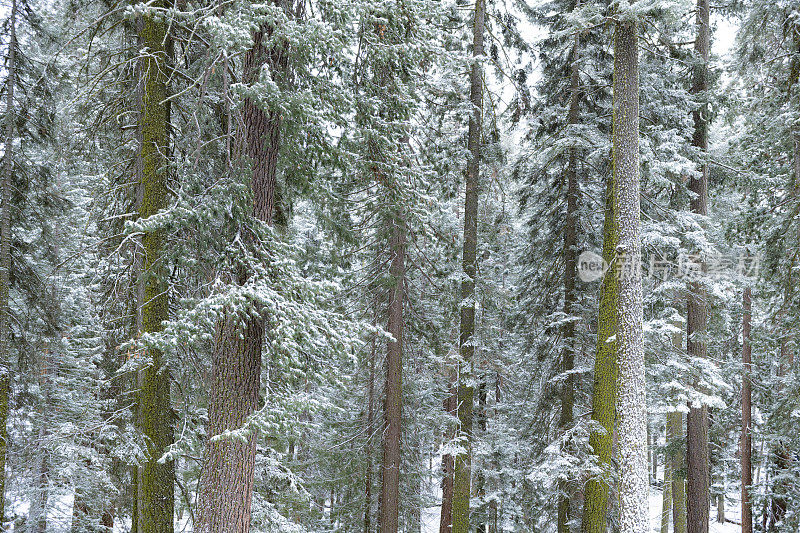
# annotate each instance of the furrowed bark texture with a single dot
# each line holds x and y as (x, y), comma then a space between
(463, 461)
(155, 504)
(747, 415)
(5, 255)
(393, 409)
(631, 400)
(698, 477)
(228, 464)
(570, 296)
(604, 395)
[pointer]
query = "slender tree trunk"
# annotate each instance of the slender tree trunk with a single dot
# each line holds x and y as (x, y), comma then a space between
(155, 490)
(747, 415)
(570, 296)
(697, 312)
(463, 461)
(676, 441)
(370, 436)
(448, 464)
(631, 400)
(666, 490)
(5, 255)
(390, 487)
(228, 464)
(595, 501)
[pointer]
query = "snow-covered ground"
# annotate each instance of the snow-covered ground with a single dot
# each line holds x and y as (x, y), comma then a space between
(430, 515)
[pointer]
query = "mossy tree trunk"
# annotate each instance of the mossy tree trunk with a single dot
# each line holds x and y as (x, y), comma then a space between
(631, 398)
(463, 461)
(595, 501)
(155, 505)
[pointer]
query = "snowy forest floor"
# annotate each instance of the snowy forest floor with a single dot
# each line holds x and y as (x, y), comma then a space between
(431, 515)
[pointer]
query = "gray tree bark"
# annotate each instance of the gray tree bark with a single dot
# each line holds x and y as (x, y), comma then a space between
(631, 399)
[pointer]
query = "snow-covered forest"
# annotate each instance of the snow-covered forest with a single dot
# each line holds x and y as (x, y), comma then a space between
(381, 266)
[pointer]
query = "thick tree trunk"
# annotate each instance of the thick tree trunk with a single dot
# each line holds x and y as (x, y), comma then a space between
(747, 416)
(570, 296)
(631, 399)
(5, 255)
(463, 461)
(697, 312)
(595, 501)
(155, 504)
(226, 488)
(390, 487)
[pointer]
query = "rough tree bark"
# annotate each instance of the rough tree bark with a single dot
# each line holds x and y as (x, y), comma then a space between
(698, 477)
(390, 486)
(631, 399)
(570, 296)
(604, 395)
(155, 505)
(747, 414)
(5, 253)
(463, 461)
(226, 487)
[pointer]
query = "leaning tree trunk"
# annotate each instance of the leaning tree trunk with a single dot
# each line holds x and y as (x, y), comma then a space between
(697, 313)
(226, 487)
(747, 416)
(595, 501)
(155, 505)
(5, 255)
(570, 296)
(631, 399)
(463, 461)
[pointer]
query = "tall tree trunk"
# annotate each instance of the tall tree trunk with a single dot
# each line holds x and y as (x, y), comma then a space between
(463, 461)
(631, 400)
(226, 488)
(570, 296)
(697, 312)
(5, 255)
(155, 490)
(604, 395)
(390, 487)
(747, 416)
